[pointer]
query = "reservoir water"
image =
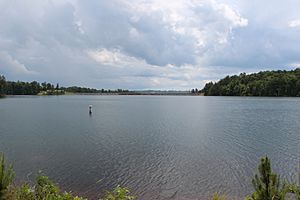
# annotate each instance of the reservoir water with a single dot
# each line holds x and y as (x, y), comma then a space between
(161, 147)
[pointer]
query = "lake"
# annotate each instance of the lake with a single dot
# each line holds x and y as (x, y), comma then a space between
(161, 147)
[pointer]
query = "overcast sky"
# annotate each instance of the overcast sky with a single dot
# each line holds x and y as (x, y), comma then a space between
(146, 44)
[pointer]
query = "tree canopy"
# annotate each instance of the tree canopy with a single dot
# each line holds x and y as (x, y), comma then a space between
(267, 83)
(34, 88)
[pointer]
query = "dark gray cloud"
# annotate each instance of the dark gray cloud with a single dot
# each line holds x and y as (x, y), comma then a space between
(144, 44)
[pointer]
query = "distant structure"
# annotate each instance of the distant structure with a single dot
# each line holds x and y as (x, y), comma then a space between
(90, 109)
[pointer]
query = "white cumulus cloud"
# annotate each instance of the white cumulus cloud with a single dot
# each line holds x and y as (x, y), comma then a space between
(144, 43)
(294, 23)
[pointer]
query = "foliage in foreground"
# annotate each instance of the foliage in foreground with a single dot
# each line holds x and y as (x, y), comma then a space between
(44, 188)
(6, 176)
(267, 186)
(217, 196)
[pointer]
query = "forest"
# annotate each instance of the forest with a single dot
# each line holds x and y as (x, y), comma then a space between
(279, 83)
(35, 88)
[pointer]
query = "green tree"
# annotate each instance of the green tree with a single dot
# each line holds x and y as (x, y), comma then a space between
(2, 86)
(267, 184)
(119, 193)
(50, 86)
(268, 83)
(6, 176)
(44, 86)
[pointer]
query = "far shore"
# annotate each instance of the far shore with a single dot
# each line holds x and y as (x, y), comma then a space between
(113, 94)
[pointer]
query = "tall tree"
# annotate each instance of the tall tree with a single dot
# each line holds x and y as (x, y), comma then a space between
(2, 85)
(6, 176)
(267, 184)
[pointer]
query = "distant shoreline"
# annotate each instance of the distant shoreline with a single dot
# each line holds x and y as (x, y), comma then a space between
(140, 93)
(111, 94)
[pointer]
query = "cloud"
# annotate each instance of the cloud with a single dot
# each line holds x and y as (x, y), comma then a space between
(113, 57)
(179, 32)
(132, 70)
(14, 66)
(294, 23)
(144, 43)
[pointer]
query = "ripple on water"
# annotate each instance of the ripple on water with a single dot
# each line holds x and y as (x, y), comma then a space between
(160, 147)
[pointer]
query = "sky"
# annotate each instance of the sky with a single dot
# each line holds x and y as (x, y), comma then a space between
(146, 44)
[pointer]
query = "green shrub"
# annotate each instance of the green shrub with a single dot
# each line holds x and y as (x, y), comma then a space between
(25, 192)
(6, 176)
(119, 193)
(266, 183)
(44, 188)
(217, 196)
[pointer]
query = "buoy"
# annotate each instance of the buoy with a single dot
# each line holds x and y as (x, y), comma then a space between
(90, 109)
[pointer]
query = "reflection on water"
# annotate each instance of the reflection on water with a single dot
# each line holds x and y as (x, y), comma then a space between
(159, 146)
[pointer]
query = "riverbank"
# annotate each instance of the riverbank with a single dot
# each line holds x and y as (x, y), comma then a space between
(267, 186)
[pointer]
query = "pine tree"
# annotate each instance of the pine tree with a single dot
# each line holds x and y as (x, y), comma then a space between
(6, 176)
(267, 184)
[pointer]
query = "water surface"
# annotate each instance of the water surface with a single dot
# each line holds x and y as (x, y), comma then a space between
(161, 147)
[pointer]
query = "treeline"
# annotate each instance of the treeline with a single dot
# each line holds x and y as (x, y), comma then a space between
(195, 91)
(267, 83)
(75, 89)
(27, 88)
(267, 185)
(34, 88)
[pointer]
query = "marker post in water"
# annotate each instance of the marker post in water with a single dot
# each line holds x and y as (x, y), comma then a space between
(90, 109)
